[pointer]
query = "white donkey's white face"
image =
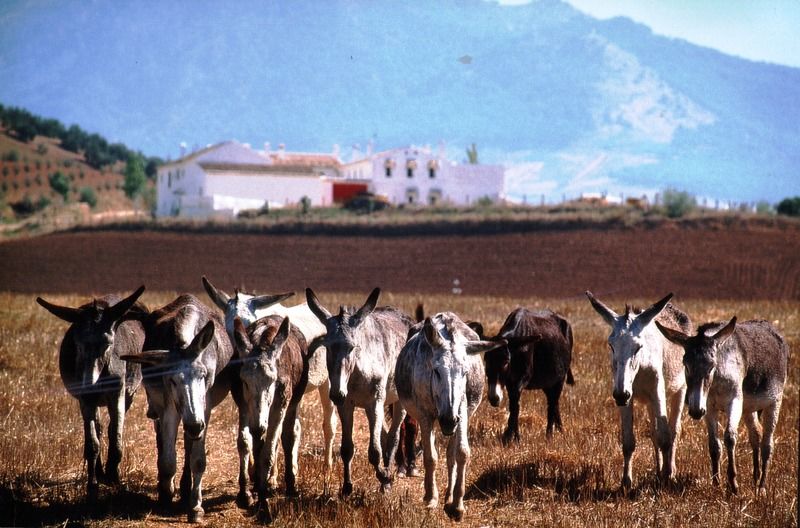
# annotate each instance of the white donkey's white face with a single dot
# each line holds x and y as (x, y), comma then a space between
(451, 342)
(629, 344)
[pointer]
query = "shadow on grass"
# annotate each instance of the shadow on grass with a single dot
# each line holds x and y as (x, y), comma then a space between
(68, 508)
(571, 482)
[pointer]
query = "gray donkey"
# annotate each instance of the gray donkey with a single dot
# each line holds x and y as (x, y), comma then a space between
(190, 372)
(274, 373)
(648, 368)
(739, 370)
(362, 347)
(440, 377)
(89, 360)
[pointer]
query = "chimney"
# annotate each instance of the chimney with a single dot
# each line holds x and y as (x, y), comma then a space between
(370, 147)
(356, 152)
(336, 152)
(281, 150)
(267, 147)
(183, 148)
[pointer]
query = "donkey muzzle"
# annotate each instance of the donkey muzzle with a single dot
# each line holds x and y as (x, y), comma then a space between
(622, 398)
(448, 424)
(697, 412)
(194, 430)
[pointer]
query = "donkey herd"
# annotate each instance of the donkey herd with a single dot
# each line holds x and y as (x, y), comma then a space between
(425, 371)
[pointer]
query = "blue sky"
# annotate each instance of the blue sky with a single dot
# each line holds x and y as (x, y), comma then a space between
(764, 31)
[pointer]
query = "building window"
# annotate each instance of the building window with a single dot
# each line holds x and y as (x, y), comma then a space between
(431, 173)
(412, 196)
(388, 172)
(434, 197)
(410, 172)
(410, 166)
(169, 180)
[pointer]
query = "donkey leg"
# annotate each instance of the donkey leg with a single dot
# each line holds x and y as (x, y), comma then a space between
(714, 447)
(375, 451)
(266, 461)
(198, 467)
(244, 447)
(116, 426)
(290, 441)
(731, 433)
(91, 447)
(410, 440)
(662, 434)
(674, 415)
(628, 444)
(167, 457)
(328, 422)
(393, 438)
(553, 395)
(754, 436)
(770, 416)
(458, 473)
(429, 455)
(512, 429)
(347, 448)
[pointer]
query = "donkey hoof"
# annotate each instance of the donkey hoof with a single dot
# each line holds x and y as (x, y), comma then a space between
(761, 492)
(244, 499)
(347, 489)
(164, 498)
(196, 515)
(413, 472)
(291, 492)
(627, 484)
(453, 512)
(401, 472)
(386, 487)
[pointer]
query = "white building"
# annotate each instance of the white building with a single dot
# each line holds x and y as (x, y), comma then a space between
(225, 178)
(416, 175)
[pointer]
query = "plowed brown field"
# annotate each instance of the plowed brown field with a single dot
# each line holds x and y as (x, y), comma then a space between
(731, 263)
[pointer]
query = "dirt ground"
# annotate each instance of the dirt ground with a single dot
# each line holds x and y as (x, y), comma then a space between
(732, 263)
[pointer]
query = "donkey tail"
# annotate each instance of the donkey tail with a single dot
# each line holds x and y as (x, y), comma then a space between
(570, 379)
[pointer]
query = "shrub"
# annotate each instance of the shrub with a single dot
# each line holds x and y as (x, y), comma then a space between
(5, 171)
(11, 155)
(135, 177)
(484, 201)
(60, 184)
(678, 203)
(789, 206)
(41, 149)
(88, 196)
(43, 202)
(305, 204)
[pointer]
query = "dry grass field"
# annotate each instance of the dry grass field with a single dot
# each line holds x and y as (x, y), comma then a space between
(571, 480)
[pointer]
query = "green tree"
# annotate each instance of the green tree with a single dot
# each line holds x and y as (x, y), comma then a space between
(87, 195)
(305, 204)
(60, 184)
(678, 203)
(472, 154)
(135, 178)
(789, 206)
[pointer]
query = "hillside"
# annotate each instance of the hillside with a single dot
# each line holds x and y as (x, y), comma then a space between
(570, 103)
(25, 169)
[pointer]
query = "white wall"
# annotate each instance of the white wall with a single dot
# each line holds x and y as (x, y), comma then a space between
(276, 189)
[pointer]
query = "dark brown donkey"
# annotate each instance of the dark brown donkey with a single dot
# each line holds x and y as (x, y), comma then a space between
(92, 371)
(739, 370)
(273, 368)
(538, 356)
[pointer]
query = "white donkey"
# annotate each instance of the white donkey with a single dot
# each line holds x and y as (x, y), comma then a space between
(739, 370)
(648, 368)
(362, 348)
(440, 377)
(248, 308)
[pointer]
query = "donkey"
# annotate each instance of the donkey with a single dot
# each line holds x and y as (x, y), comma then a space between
(440, 377)
(739, 370)
(101, 332)
(274, 372)
(648, 368)
(538, 356)
(362, 347)
(248, 308)
(190, 373)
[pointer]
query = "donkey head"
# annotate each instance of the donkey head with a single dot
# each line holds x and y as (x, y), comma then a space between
(242, 305)
(344, 339)
(451, 342)
(699, 360)
(186, 372)
(628, 343)
(259, 349)
(92, 332)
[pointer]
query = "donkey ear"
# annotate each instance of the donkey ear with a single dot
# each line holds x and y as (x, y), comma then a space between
(316, 343)
(723, 335)
(419, 313)
(431, 334)
(219, 297)
(69, 315)
(608, 315)
(477, 328)
(265, 301)
(281, 336)
(119, 309)
(480, 347)
(316, 308)
(644, 318)
(676, 336)
(201, 340)
(240, 340)
(368, 307)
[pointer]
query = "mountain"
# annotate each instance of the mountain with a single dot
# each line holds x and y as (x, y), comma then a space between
(569, 103)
